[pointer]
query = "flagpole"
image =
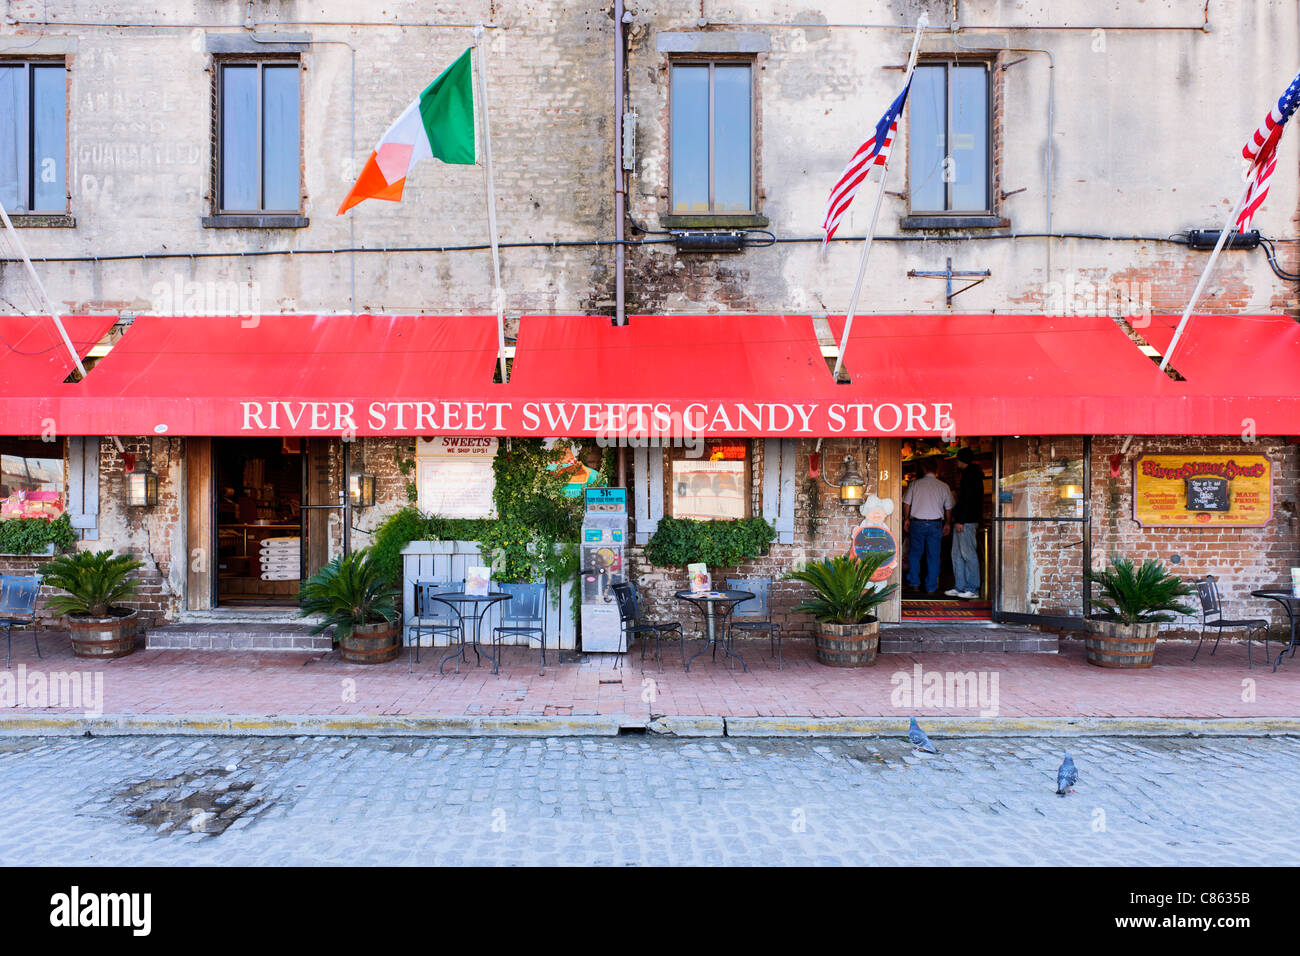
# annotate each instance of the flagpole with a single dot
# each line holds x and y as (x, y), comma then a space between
(498, 294)
(921, 24)
(40, 287)
(1209, 267)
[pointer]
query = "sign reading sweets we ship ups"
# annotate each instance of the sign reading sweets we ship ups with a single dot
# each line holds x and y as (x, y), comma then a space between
(1207, 490)
(454, 476)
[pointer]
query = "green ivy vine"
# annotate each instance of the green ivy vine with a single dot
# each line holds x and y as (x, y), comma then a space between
(534, 536)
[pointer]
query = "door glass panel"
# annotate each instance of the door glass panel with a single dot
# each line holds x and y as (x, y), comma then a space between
(1041, 555)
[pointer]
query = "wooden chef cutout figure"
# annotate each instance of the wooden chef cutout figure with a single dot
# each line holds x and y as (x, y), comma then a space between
(873, 535)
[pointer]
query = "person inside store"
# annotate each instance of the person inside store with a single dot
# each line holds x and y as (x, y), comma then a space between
(966, 516)
(927, 517)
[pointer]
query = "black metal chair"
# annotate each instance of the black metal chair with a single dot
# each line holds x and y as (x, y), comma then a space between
(629, 615)
(1207, 589)
(754, 615)
(432, 616)
(523, 615)
(18, 606)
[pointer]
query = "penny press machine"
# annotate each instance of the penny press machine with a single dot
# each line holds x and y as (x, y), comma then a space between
(604, 536)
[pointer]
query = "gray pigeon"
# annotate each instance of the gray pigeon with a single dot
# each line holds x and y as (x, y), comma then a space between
(1066, 777)
(919, 740)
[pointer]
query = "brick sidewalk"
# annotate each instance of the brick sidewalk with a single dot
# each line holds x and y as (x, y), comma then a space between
(172, 682)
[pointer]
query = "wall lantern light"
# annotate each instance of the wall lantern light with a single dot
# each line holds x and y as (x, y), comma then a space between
(141, 488)
(361, 490)
(852, 485)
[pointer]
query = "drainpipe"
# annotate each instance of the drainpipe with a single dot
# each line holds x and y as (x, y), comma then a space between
(620, 199)
(620, 181)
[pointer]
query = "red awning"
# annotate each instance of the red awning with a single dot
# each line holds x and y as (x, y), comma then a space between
(742, 375)
(33, 356)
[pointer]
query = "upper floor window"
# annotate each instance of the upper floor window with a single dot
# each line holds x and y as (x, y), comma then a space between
(257, 137)
(33, 136)
(712, 130)
(949, 150)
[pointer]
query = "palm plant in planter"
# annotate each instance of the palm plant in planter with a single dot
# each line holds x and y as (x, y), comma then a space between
(95, 586)
(1134, 602)
(844, 599)
(360, 603)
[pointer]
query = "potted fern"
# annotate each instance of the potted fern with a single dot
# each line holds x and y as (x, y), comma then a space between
(1134, 602)
(96, 584)
(844, 599)
(360, 603)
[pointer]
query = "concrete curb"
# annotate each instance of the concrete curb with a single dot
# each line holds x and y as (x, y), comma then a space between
(356, 725)
(939, 727)
(340, 725)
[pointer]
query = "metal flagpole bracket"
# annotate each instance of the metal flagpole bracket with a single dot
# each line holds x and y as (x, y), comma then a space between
(950, 275)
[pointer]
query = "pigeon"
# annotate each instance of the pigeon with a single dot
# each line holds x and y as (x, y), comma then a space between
(1066, 777)
(919, 740)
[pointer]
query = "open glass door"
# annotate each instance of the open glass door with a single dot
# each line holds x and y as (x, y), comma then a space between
(1043, 538)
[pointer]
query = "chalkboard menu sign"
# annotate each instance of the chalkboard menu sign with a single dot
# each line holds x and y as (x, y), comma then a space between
(1207, 494)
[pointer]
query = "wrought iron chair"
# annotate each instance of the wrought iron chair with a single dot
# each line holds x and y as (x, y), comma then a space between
(1207, 589)
(754, 615)
(524, 614)
(629, 615)
(432, 616)
(18, 606)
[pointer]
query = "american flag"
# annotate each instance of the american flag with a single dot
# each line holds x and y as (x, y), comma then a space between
(1261, 150)
(874, 152)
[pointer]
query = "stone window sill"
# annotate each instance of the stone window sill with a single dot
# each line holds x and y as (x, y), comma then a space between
(255, 221)
(953, 222)
(43, 220)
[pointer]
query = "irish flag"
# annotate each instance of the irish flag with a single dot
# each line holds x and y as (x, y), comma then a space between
(438, 124)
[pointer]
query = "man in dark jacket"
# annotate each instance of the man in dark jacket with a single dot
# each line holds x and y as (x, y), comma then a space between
(966, 516)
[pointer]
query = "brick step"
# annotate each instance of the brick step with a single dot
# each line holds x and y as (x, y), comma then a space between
(237, 636)
(988, 640)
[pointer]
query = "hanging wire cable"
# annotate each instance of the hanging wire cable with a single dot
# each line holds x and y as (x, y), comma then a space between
(1271, 253)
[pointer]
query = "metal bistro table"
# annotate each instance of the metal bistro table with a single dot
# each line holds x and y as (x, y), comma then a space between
(715, 607)
(1292, 605)
(459, 598)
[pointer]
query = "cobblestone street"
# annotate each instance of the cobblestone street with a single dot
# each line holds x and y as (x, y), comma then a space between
(642, 800)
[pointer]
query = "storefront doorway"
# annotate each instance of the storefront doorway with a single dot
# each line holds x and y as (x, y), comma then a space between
(942, 604)
(261, 513)
(259, 520)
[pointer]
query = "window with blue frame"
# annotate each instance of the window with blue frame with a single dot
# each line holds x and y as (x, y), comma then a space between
(258, 137)
(33, 136)
(950, 142)
(712, 137)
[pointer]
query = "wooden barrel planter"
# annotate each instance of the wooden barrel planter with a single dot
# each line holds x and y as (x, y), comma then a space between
(99, 638)
(1116, 644)
(848, 645)
(371, 644)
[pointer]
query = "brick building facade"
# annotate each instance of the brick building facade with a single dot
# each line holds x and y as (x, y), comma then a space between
(1089, 198)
